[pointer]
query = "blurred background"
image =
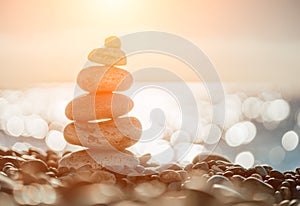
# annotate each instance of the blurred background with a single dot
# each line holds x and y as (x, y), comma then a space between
(254, 46)
(248, 41)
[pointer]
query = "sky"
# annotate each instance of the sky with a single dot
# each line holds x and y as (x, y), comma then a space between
(247, 41)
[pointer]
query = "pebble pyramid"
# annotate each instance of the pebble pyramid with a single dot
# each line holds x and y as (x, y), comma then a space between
(98, 116)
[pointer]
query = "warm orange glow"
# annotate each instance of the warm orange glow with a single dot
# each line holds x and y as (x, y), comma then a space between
(47, 41)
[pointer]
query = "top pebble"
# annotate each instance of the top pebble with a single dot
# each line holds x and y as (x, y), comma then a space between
(112, 42)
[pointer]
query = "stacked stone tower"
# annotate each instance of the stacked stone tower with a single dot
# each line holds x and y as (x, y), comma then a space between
(98, 116)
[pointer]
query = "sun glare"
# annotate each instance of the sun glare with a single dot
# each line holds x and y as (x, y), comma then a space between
(109, 5)
(112, 3)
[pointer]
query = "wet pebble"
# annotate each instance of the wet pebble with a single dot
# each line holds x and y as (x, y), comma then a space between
(237, 170)
(34, 167)
(257, 176)
(284, 203)
(209, 157)
(168, 176)
(294, 202)
(276, 174)
(253, 186)
(251, 203)
(274, 182)
(278, 197)
(261, 171)
(16, 161)
(201, 166)
(218, 179)
(214, 180)
(188, 167)
(285, 193)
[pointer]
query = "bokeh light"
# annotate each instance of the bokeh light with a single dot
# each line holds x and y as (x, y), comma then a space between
(15, 126)
(276, 110)
(251, 128)
(279, 110)
(36, 127)
(246, 114)
(236, 135)
(180, 136)
(211, 134)
(251, 107)
(145, 103)
(21, 146)
(233, 110)
(55, 140)
(245, 159)
(185, 152)
(276, 155)
(290, 140)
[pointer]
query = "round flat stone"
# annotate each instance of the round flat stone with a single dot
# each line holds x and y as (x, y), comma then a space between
(105, 177)
(95, 107)
(168, 176)
(34, 167)
(112, 42)
(104, 79)
(261, 170)
(108, 56)
(119, 133)
(112, 159)
(219, 179)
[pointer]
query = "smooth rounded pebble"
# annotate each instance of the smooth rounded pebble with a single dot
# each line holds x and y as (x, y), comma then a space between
(119, 133)
(108, 56)
(254, 185)
(104, 79)
(99, 158)
(95, 107)
(219, 179)
(261, 170)
(168, 176)
(78, 159)
(100, 176)
(112, 42)
(34, 166)
(208, 157)
(11, 159)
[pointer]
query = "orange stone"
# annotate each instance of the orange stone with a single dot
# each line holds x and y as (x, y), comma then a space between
(104, 79)
(112, 42)
(96, 107)
(119, 133)
(108, 56)
(98, 158)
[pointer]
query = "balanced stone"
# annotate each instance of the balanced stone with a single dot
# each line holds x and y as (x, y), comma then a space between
(104, 79)
(95, 107)
(99, 158)
(108, 56)
(98, 124)
(112, 42)
(119, 133)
